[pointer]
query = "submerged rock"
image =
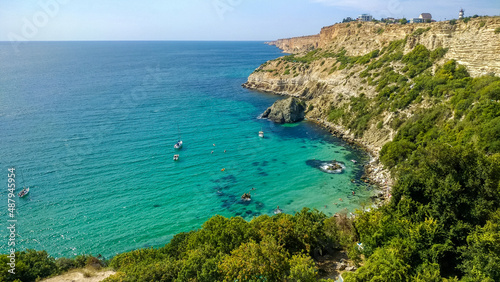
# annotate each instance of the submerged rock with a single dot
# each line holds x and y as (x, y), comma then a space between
(286, 111)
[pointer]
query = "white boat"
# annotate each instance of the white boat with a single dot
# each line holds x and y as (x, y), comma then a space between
(24, 192)
(176, 157)
(261, 134)
(178, 145)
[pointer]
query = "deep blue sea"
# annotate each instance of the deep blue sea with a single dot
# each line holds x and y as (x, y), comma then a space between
(90, 127)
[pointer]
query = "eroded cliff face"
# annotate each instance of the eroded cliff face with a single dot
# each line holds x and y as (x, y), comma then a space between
(297, 44)
(473, 44)
(324, 84)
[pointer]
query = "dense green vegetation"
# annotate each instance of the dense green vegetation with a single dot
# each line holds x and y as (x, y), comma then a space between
(443, 218)
(264, 249)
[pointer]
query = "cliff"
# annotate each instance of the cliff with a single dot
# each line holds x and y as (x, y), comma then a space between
(297, 44)
(473, 44)
(324, 81)
(363, 81)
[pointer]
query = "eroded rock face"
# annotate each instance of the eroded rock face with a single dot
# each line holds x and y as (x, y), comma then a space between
(286, 111)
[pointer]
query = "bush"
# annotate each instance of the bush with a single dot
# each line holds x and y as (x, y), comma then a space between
(497, 30)
(380, 124)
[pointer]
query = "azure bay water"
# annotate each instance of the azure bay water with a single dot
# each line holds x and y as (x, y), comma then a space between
(91, 126)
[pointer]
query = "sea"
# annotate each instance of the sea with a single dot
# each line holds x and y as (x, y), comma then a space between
(90, 127)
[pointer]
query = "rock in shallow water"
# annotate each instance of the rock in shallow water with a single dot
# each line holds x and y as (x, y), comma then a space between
(289, 110)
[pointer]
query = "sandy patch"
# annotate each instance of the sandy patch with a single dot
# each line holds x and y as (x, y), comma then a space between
(79, 276)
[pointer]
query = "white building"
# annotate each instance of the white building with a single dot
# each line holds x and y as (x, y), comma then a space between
(365, 18)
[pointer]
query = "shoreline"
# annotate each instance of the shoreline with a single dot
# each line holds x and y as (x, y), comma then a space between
(374, 172)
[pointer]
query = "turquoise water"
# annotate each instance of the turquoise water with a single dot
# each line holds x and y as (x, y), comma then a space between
(92, 126)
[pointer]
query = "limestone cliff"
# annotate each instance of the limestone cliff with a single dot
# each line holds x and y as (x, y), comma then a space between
(297, 44)
(324, 81)
(473, 44)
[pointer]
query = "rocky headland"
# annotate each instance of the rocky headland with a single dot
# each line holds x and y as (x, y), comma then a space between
(346, 63)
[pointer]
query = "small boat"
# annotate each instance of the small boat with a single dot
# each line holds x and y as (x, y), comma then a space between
(246, 197)
(176, 157)
(24, 192)
(354, 161)
(178, 145)
(261, 134)
(278, 210)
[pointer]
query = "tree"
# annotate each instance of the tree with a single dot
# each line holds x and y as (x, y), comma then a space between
(302, 269)
(482, 253)
(386, 264)
(253, 261)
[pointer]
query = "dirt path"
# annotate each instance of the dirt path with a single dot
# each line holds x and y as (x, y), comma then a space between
(79, 276)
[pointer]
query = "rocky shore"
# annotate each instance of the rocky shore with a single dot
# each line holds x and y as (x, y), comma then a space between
(292, 110)
(375, 173)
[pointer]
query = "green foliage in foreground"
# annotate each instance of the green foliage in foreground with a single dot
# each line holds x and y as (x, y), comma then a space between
(267, 248)
(32, 265)
(442, 221)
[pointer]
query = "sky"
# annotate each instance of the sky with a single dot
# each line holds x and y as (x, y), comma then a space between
(61, 20)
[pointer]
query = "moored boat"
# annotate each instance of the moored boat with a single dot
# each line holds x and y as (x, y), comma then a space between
(24, 192)
(178, 145)
(261, 134)
(176, 157)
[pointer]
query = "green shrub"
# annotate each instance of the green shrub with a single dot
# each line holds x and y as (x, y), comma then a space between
(420, 31)
(380, 124)
(482, 23)
(497, 30)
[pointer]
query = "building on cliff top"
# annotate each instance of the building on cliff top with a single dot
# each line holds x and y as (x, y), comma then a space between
(426, 17)
(365, 18)
(461, 14)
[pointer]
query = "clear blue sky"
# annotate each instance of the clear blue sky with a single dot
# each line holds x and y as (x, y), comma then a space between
(205, 19)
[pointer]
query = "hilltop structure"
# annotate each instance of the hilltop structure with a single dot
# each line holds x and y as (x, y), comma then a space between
(461, 14)
(426, 17)
(365, 18)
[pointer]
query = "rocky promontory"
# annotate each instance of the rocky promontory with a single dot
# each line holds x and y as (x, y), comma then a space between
(362, 81)
(289, 110)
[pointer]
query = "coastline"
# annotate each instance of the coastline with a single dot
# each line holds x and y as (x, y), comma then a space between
(374, 171)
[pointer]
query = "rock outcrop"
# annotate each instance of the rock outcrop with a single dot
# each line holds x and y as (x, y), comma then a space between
(286, 111)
